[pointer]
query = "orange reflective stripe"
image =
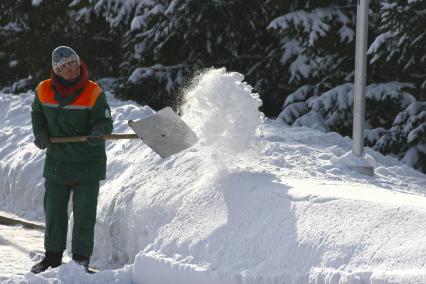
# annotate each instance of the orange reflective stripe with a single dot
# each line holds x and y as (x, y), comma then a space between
(45, 92)
(89, 95)
(87, 98)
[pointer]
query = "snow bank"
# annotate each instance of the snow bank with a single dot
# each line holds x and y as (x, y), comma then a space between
(144, 197)
(21, 164)
(253, 202)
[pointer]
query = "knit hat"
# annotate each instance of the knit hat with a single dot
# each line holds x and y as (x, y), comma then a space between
(63, 55)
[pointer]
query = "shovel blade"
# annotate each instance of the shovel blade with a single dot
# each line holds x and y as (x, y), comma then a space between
(164, 132)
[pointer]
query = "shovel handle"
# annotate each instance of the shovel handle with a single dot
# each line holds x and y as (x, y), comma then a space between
(84, 138)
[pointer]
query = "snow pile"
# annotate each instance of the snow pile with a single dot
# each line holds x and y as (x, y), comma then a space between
(364, 164)
(135, 204)
(21, 164)
(221, 213)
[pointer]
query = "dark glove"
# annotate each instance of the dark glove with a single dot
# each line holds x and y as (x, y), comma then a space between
(95, 137)
(42, 140)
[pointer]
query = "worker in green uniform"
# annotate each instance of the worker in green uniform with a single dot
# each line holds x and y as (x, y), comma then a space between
(68, 104)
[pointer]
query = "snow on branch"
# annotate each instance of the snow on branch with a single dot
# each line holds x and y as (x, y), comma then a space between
(335, 105)
(316, 22)
(120, 12)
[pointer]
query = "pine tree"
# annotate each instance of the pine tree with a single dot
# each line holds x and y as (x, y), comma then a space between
(407, 137)
(30, 32)
(12, 27)
(315, 47)
(171, 40)
(398, 50)
(394, 79)
(332, 110)
(397, 53)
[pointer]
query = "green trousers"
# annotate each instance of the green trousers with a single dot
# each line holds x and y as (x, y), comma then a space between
(84, 200)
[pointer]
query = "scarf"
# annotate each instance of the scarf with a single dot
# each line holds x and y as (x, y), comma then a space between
(66, 88)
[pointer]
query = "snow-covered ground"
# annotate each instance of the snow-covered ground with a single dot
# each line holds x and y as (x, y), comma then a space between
(253, 202)
(16, 246)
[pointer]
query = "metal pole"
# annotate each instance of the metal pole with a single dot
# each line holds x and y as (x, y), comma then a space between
(360, 75)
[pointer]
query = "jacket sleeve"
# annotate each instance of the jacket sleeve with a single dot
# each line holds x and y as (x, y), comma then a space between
(100, 114)
(38, 118)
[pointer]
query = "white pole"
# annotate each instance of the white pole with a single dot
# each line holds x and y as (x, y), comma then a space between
(360, 75)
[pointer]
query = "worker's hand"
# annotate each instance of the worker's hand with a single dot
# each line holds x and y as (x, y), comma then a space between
(95, 137)
(42, 140)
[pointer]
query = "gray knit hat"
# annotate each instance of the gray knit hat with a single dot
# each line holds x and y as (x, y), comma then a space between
(63, 55)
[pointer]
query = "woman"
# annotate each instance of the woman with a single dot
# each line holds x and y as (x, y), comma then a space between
(68, 104)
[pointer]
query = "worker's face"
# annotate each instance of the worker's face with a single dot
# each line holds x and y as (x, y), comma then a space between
(69, 71)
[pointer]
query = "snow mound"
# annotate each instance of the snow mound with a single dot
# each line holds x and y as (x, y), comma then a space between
(253, 202)
(21, 164)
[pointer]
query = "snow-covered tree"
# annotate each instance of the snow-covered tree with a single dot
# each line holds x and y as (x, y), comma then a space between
(323, 98)
(398, 50)
(12, 28)
(397, 53)
(30, 30)
(170, 40)
(332, 110)
(315, 46)
(407, 137)
(118, 13)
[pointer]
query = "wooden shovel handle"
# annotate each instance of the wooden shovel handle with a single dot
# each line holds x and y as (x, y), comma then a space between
(84, 138)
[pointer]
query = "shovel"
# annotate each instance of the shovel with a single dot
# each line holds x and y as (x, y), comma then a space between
(164, 132)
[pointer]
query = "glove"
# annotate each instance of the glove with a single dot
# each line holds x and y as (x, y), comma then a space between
(42, 140)
(95, 137)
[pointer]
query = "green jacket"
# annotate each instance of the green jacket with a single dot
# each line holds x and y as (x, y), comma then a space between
(75, 115)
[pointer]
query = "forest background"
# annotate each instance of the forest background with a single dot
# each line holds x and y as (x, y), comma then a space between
(298, 55)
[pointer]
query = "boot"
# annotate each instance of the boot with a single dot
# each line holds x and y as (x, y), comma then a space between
(51, 259)
(83, 260)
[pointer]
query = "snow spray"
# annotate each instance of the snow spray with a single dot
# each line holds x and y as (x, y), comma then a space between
(224, 113)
